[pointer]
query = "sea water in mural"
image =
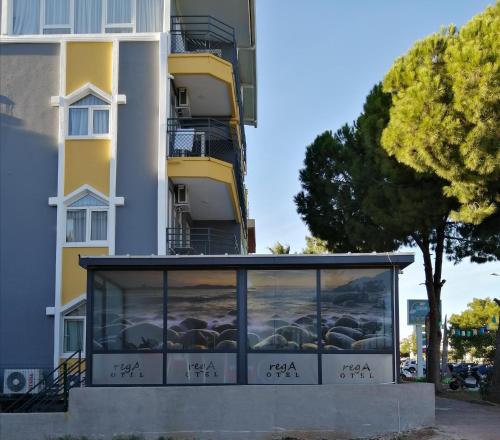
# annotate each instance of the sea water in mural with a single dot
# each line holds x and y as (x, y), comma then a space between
(202, 311)
(128, 310)
(356, 312)
(281, 308)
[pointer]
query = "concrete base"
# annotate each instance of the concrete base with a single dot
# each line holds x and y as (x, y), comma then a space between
(232, 412)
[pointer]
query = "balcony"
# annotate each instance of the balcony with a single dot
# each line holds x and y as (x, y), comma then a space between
(201, 241)
(205, 155)
(204, 60)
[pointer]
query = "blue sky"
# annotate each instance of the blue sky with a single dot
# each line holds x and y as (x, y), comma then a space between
(317, 61)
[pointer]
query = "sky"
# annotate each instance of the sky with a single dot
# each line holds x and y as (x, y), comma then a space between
(316, 62)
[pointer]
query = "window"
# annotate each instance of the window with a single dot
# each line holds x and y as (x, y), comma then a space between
(85, 16)
(281, 310)
(87, 220)
(119, 16)
(56, 17)
(202, 310)
(128, 310)
(74, 329)
(25, 17)
(88, 117)
(357, 310)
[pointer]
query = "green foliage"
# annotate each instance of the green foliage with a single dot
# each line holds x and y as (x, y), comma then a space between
(445, 116)
(279, 248)
(359, 199)
(315, 246)
(478, 314)
(408, 345)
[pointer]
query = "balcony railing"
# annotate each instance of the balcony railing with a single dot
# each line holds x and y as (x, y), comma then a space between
(206, 34)
(202, 137)
(201, 241)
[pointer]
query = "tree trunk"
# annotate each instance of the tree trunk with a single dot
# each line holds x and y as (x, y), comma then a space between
(433, 284)
(444, 357)
(494, 392)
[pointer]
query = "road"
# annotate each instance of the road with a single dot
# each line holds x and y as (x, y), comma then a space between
(467, 420)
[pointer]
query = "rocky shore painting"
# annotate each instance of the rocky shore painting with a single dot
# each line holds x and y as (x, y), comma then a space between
(281, 310)
(201, 312)
(356, 311)
(128, 310)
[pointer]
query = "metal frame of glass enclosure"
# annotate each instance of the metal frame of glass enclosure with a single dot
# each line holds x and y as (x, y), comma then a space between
(265, 342)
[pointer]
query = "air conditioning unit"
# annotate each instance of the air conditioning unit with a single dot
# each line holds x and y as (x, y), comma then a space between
(182, 208)
(21, 381)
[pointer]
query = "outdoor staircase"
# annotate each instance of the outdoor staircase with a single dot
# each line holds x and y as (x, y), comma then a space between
(52, 392)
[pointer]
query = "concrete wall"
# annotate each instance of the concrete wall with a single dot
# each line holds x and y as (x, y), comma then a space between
(232, 412)
(137, 156)
(28, 177)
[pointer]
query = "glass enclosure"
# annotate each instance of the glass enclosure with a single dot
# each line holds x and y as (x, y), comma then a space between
(242, 326)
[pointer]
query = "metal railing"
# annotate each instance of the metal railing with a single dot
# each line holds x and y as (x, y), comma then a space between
(204, 137)
(206, 34)
(52, 392)
(201, 241)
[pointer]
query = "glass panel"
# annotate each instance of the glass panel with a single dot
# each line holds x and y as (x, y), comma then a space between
(78, 122)
(282, 369)
(57, 31)
(90, 100)
(127, 369)
(281, 308)
(26, 17)
(149, 15)
(128, 310)
(88, 200)
(81, 310)
(73, 335)
(56, 12)
(88, 16)
(357, 368)
(356, 309)
(119, 11)
(101, 122)
(201, 368)
(75, 225)
(99, 225)
(119, 30)
(202, 310)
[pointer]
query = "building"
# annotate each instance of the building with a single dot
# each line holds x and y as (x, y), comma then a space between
(122, 132)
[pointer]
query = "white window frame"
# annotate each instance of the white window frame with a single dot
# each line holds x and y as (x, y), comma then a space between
(9, 8)
(90, 121)
(65, 318)
(71, 18)
(106, 25)
(88, 226)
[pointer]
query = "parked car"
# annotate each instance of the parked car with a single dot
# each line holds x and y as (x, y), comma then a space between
(410, 365)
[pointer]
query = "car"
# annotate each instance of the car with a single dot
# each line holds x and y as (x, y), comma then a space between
(410, 365)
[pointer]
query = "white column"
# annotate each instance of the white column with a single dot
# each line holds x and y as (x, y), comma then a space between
(164, 99)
